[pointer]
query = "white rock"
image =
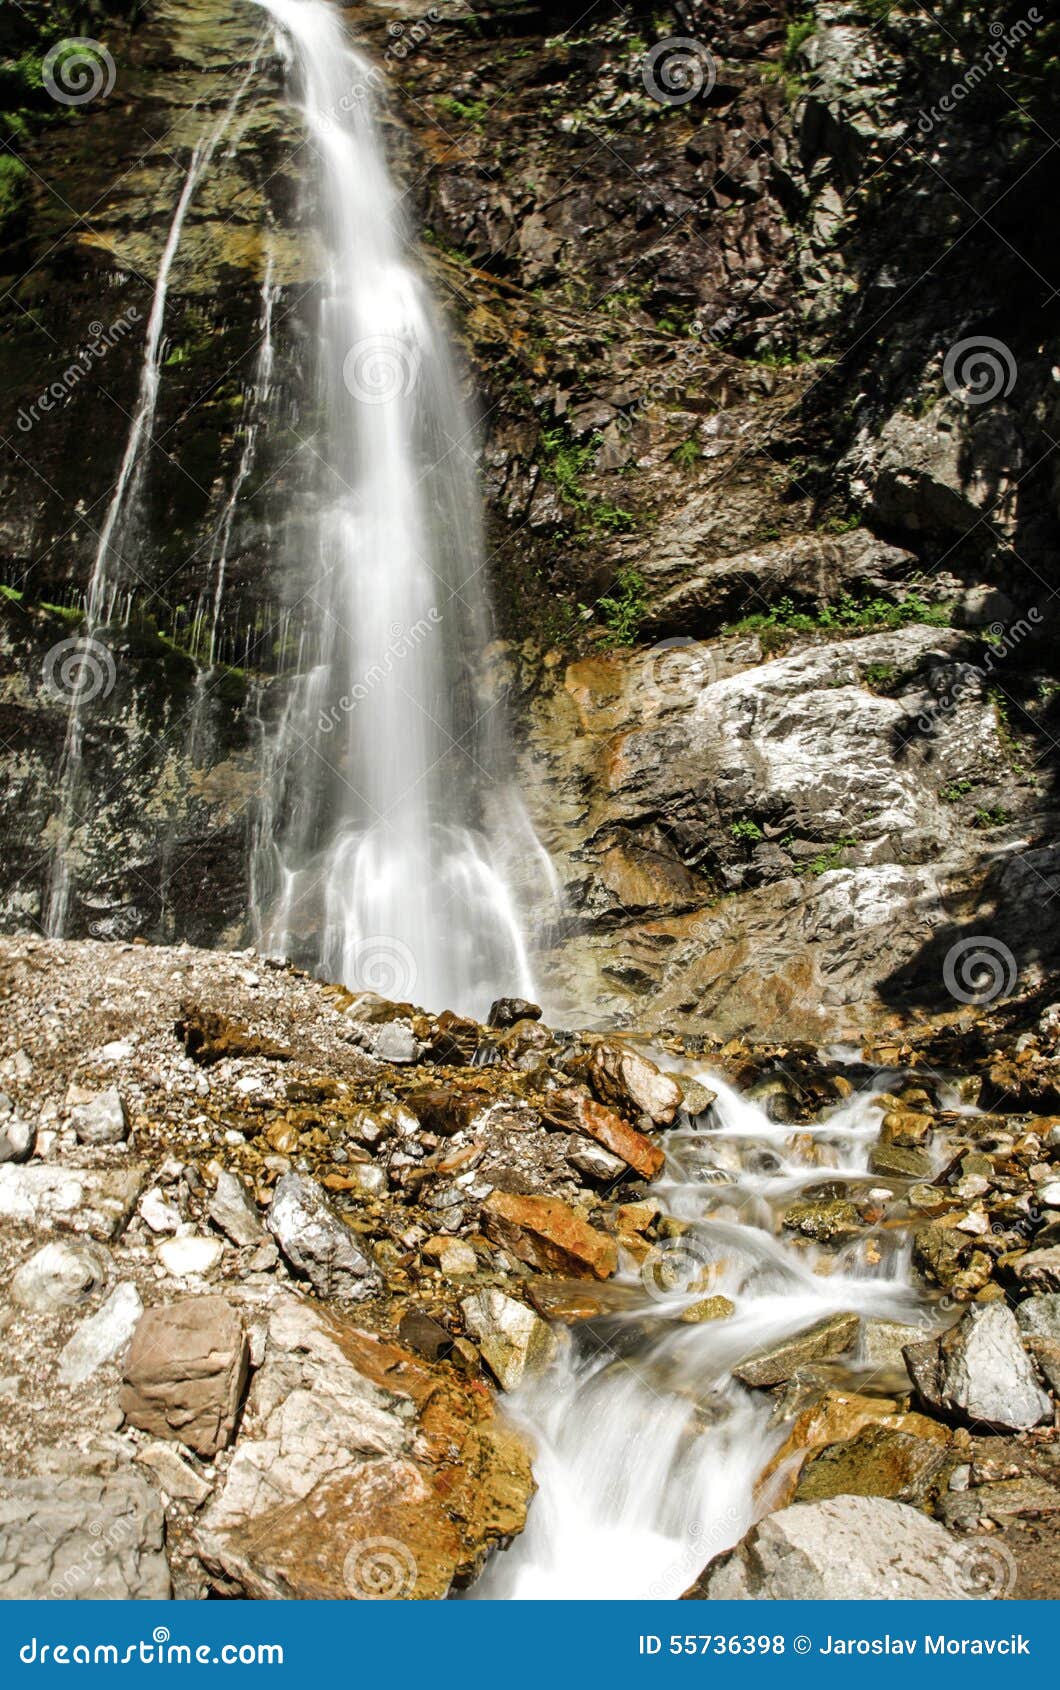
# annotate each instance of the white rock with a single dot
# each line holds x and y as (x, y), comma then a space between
(1050, 1194)
(184, 1257)
(159, 1215)
(118, 1050)
(850, 1548)
(516, 1343)
(105, 1334)
(94, 1200)
(17, 1138)
(175, 1475)
(234, 1211)
(980, 1372)
(103, 1120)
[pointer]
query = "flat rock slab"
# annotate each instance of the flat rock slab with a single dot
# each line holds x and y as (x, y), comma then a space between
(98, 1201)
(84, 1539)
(850, 1548)
(548, 1234)
(186, 1372)
(577, 1110)
(102, 1336)
(775, 1363)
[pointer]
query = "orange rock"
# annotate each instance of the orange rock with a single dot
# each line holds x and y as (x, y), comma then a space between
(548, 1234)
(836, 1416)
(583, 1114)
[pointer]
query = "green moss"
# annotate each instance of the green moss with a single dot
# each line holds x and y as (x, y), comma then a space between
(846, 615)
(463, 111)
(623, 609)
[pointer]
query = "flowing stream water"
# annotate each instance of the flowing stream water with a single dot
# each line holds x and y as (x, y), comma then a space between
(649, 1453)
(392, 850)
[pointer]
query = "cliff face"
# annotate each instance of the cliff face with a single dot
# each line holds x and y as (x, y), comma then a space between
(767, 411)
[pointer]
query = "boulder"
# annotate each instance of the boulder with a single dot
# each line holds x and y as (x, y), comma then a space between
(593, 1162)
(360, 1471)
(102, 1120)
(505, 1012)
(98, 1201)
(834, 1418)
(883, 1342)
(895, 1162)
(515, 1342)
(89, 1538)
(234, 1212)
(827, 1220)
(576, 1109)
(621, 1075)
(879, 1461)
(186, 1372)
(17, 1138)
(775, 1363)
(1039, 1270)
(58, 1276)
(102, 1336)
(849, 1548)
(316, 1243)
(549, 1235)
(979, 1372)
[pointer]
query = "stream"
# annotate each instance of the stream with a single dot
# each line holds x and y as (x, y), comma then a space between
(648, 1451)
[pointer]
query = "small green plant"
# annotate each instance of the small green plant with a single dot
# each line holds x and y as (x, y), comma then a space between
(880, 677)
(687, 454)
(955, 791)
(991, 818)
(463, 111)
(746, 831)
(798, 31)
(846, 614)
(622, 610)
(827, 860)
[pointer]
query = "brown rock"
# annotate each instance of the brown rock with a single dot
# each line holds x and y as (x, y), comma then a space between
(777, 1362)
(186, 1372)
(549, 1235)
(836, 1417)
(622, 1076)
(209, 1036)
(1039, 1270)
(907, 1129)
(577, 1110)
(879, 1461)
(446, 1109)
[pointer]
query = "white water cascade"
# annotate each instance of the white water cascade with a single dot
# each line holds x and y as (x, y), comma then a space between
(648, 1451)
(390, 842)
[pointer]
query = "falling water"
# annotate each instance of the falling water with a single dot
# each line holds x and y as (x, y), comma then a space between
(649, 1452)
(389, 842)
(118, 535)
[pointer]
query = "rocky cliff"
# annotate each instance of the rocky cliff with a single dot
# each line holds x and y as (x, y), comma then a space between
(762, 331)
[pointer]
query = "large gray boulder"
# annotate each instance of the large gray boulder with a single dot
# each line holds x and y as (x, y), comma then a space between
(89, 1538)
(849, 1549)
(979, 1372)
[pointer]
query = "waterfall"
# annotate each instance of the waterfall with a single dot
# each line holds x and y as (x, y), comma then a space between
(110, 567)
(389, 843)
